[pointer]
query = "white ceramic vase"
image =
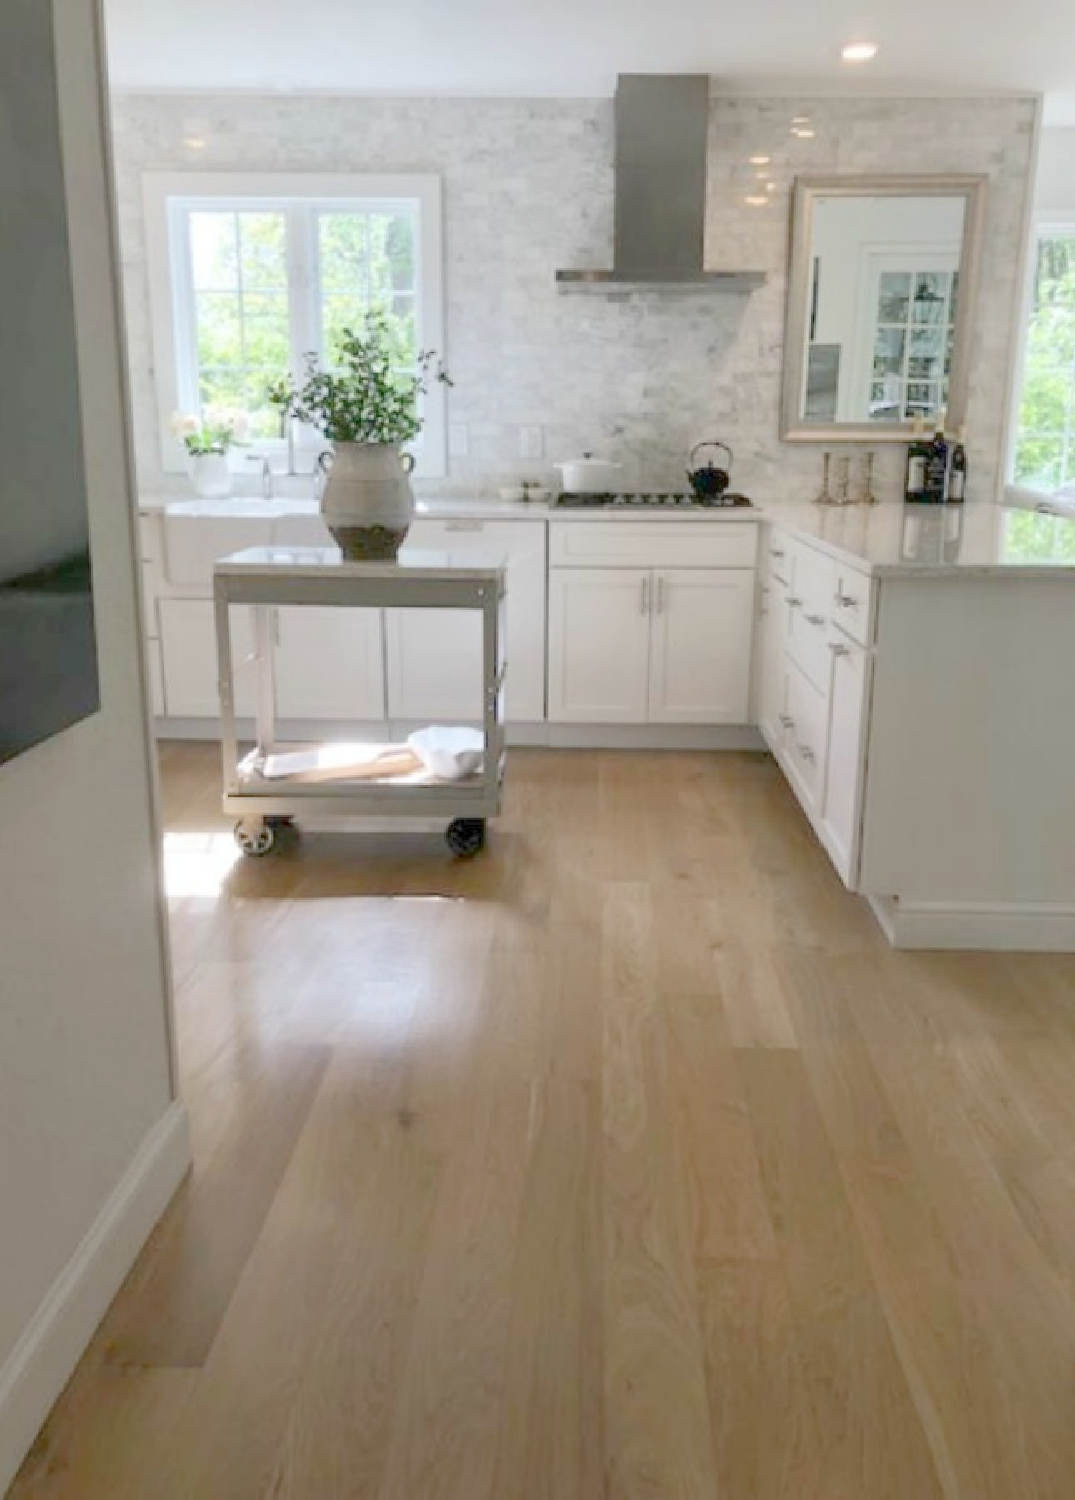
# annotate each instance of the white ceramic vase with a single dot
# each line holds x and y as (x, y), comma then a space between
(210, 475)
(367, 502)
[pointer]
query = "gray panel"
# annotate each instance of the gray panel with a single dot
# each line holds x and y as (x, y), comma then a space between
(662, 129)
(48, 659)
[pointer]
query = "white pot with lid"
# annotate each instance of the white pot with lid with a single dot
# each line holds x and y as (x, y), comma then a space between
(587, 475)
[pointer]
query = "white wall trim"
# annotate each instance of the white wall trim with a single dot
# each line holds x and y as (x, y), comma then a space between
(998, 928)
(52, 1343)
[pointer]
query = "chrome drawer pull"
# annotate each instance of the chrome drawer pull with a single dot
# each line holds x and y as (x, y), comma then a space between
(807, 754)
(794, 603)
(777, 552)
(464, 525)
(645, 594)
(787, 722)
(814, 619)
(847, 601)
(838, 650)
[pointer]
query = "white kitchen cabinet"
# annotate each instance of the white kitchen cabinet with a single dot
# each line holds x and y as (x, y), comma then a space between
(772, 673)
(841, 814)
(328, 664)
(433, 658)
(434, 665)
(702, 620)
(189, 658)
(806, 741)
(599, 643)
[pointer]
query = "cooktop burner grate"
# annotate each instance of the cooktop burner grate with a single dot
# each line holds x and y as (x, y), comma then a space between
(649, 500)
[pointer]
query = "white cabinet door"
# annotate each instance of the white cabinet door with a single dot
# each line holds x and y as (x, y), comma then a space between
(599, 645)
(328, 664)
(434, 665)
(806, 739)
(771, 694)
(434, 657)
(842, 812)
(189, 659)
(702, 620)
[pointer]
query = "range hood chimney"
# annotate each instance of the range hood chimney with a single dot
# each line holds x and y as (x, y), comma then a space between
(661, 140)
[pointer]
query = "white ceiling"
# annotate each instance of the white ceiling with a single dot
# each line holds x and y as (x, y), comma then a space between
(576, 47)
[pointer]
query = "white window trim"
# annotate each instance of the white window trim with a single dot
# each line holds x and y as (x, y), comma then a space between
(1043, 226)
(424, 191)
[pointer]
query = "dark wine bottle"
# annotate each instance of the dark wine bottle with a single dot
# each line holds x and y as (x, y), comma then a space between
(957, 479)
(936, 487)
(918, 451)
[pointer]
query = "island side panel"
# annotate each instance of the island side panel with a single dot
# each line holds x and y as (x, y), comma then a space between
(970, 794)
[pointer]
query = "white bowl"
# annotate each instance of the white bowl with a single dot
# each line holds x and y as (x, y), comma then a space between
(447, 753)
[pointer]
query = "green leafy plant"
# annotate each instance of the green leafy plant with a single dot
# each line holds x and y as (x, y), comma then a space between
(368, 399)
(215, 431)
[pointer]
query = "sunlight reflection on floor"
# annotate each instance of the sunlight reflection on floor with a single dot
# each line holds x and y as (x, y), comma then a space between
(198, 864)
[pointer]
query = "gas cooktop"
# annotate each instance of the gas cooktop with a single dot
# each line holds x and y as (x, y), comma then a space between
(649, 500)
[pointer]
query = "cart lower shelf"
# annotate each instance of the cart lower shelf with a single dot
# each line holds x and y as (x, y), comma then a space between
(353, 787)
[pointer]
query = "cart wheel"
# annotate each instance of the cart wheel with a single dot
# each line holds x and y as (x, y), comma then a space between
(255, 839)
(465, 836)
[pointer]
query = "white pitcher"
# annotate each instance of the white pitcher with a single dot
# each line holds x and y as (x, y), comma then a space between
(367, 502)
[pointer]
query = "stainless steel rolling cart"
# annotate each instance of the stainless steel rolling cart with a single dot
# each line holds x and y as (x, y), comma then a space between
(258, 789)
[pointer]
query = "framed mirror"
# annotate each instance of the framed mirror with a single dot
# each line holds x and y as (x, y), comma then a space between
(881, 290)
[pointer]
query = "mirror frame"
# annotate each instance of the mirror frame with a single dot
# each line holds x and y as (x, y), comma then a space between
(806, 191)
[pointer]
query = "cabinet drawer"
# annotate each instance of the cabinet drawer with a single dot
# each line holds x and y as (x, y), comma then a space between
(778, 557)
(659, 544)
(851, 604)
(806, 724)
(149, 538)
(808, 642)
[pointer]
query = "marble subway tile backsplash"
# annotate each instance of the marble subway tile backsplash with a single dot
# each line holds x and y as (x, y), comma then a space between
(528, 189)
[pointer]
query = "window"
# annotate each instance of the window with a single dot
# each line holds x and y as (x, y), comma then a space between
(248, 274)
(1044, 456)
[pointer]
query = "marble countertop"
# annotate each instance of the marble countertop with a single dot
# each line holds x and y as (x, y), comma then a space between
(884, 540)
(955, 541)
(254, 507)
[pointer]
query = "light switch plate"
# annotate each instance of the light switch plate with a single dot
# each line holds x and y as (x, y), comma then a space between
(531, 442)
(458, 441)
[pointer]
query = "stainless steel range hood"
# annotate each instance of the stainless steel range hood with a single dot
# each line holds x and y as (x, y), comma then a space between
(661, 138)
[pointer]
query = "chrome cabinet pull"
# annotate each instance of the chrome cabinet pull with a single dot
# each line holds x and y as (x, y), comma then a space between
(661, 581)
(777, 552)
(847, 601)
(464, 525)
(838, 650)
(814, 619)
(807, 754)
(794, 603)
(786, 721)
(645, 595)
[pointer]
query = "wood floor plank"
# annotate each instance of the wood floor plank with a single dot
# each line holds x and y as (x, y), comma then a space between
(874, 1442)
(202, 1245)
(657, 1414)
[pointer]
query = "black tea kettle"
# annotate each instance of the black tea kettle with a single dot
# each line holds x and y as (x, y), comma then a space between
(707, 481)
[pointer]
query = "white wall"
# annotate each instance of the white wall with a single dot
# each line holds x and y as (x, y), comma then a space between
(528, 188)
(1054, 191)
(91, 1142)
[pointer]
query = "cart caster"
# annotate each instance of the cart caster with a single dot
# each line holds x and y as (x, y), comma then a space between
(255, 838)
(465, 836)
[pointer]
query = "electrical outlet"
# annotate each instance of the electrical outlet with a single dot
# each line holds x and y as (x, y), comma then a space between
(458, 442)
(531, 442)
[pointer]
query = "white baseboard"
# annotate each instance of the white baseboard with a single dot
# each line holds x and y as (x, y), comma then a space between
(44, 1358)
(1000, 928)
(654, 737)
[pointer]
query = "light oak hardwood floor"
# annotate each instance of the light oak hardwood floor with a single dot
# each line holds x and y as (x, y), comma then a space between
(625, 1162)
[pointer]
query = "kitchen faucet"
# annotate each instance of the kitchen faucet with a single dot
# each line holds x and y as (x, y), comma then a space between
(266, 473)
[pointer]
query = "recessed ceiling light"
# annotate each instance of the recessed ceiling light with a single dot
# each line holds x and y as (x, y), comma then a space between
(756, 202)
(803, 134)
(194, 142)
(856, 52)
(800, 119)
(760, 161)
